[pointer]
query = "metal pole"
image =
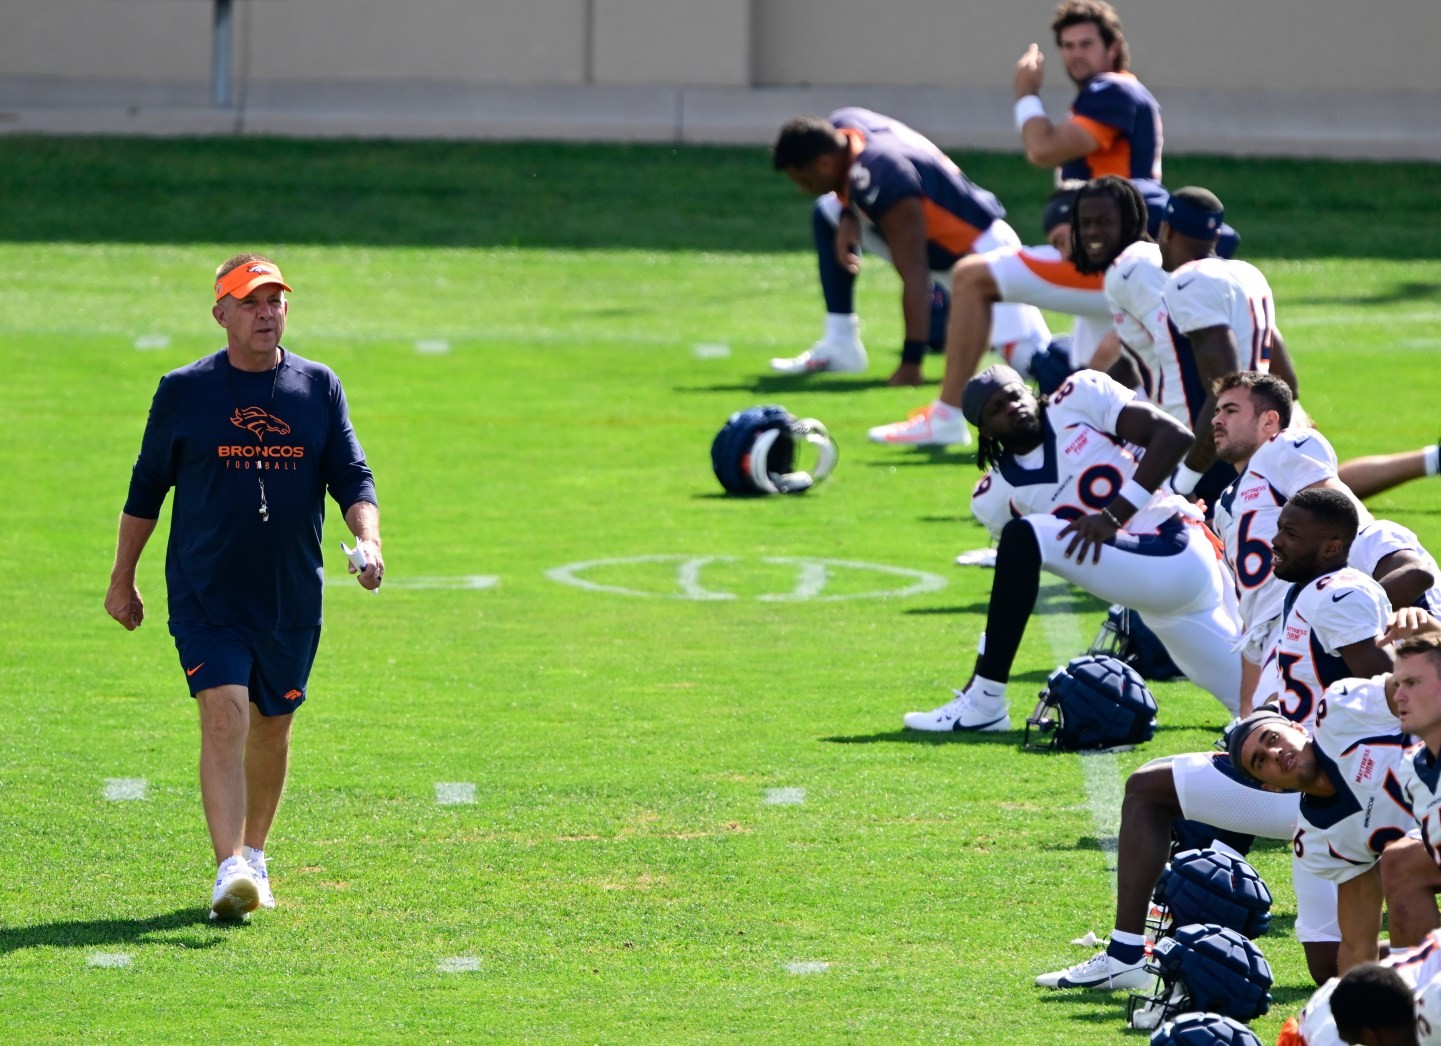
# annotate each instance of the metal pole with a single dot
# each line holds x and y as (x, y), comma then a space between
(220, 58)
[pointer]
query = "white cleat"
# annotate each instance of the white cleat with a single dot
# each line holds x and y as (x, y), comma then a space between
(925, 427)
(1101, 973)
(261, 875)
(965, 713)
(828, 354)
(977, 557)
(237, 894)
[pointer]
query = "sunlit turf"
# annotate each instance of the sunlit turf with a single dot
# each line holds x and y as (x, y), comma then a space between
(621, 875)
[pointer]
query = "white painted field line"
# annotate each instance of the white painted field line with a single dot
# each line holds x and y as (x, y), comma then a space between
(712, 351)
(1101, 772)
(432, 346)
(785, 796)
(454, 793)
(801, 968)
(120, 789)
(456, 582)
(458, 964)
(108, 960)
(147, 342)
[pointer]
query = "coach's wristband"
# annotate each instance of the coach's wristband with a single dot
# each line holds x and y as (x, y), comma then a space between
(1027, 107)
(1135, 493)
(913, 351)
(1184, 479)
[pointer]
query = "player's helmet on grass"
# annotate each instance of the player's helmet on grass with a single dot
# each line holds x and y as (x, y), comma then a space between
(1126, 637)
(1094, 703)
(1204, 1029)
(1215, 887)
(755, 452)
(1204, 967)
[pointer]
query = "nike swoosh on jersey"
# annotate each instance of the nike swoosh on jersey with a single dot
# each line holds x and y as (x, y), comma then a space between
(1339, 596)
(197, 668)
(1303, 442)
(1127, 274)
(872, 196)
(1183, 286)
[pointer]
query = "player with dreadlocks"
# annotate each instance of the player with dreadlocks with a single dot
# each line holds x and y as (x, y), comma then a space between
(1064, 491)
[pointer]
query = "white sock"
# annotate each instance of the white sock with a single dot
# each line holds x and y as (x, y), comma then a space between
(1433, 460)
(1134, 939)
(987, 690)
(250, 853)
(944, 411)
(842, 326)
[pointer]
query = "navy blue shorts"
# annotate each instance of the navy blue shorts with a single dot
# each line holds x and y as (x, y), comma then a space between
(274, 666)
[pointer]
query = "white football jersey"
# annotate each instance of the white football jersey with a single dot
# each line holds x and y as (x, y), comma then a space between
(1378, 539)
(1246, 514)
(1316, 1027)
(1135, 282)
(1360, 746)
(1321, 616)
(1078, 468)
(1224, 292)
(1421, 784)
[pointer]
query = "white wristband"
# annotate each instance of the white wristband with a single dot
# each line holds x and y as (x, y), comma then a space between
(1184, 479)
(1028, 107)
(1135, 493)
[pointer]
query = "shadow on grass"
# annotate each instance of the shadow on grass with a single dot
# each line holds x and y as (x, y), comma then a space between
(1011, 738)
(94, 933)
(784, 385)
(928, 456)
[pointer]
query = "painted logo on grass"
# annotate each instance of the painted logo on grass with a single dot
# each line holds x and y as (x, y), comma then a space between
(766, 578)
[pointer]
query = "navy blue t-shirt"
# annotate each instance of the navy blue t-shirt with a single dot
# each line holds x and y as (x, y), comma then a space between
(213, 434)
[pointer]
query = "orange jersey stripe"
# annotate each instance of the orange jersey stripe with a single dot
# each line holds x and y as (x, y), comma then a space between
(1114, 155)
(1062, 273)
(954, 234)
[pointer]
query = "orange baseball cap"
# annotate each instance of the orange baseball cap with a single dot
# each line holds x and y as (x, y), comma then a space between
(243, 279)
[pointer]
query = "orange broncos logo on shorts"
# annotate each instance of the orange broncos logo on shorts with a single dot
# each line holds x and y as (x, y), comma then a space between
(293, 695)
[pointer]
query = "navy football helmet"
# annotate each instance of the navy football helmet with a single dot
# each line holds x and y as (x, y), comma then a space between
(1195, 835)
(1051, 366)
(1204, 967)
(755, 452)
(1211, 886)
(1126, 637)
(1204, 1029)
(1094, 703)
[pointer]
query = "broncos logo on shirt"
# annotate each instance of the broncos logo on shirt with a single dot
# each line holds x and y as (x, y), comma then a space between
(258, 421)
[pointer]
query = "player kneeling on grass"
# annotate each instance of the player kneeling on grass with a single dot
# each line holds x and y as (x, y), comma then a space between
(1347, 770)
(1410, 875)
(1064, 492)
(1370, 1003)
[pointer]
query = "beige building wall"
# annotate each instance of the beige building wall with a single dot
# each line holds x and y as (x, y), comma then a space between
(1289, 76)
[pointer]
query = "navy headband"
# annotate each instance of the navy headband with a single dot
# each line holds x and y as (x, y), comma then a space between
(1192, 219)
(982, 387)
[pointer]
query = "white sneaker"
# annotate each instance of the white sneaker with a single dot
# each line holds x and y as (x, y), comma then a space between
(256, 861)
(924, 428)
(1100, 972)
(828, 354)
(236, 892)
(964, 713)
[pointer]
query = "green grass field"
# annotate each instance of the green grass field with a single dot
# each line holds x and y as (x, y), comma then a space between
(694, 819)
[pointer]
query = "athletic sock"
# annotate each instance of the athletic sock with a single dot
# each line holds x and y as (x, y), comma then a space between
(250, 853)
(1129, 948)
(1014, 591)
(838, 286)
(842, 326)
(1433, 460)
